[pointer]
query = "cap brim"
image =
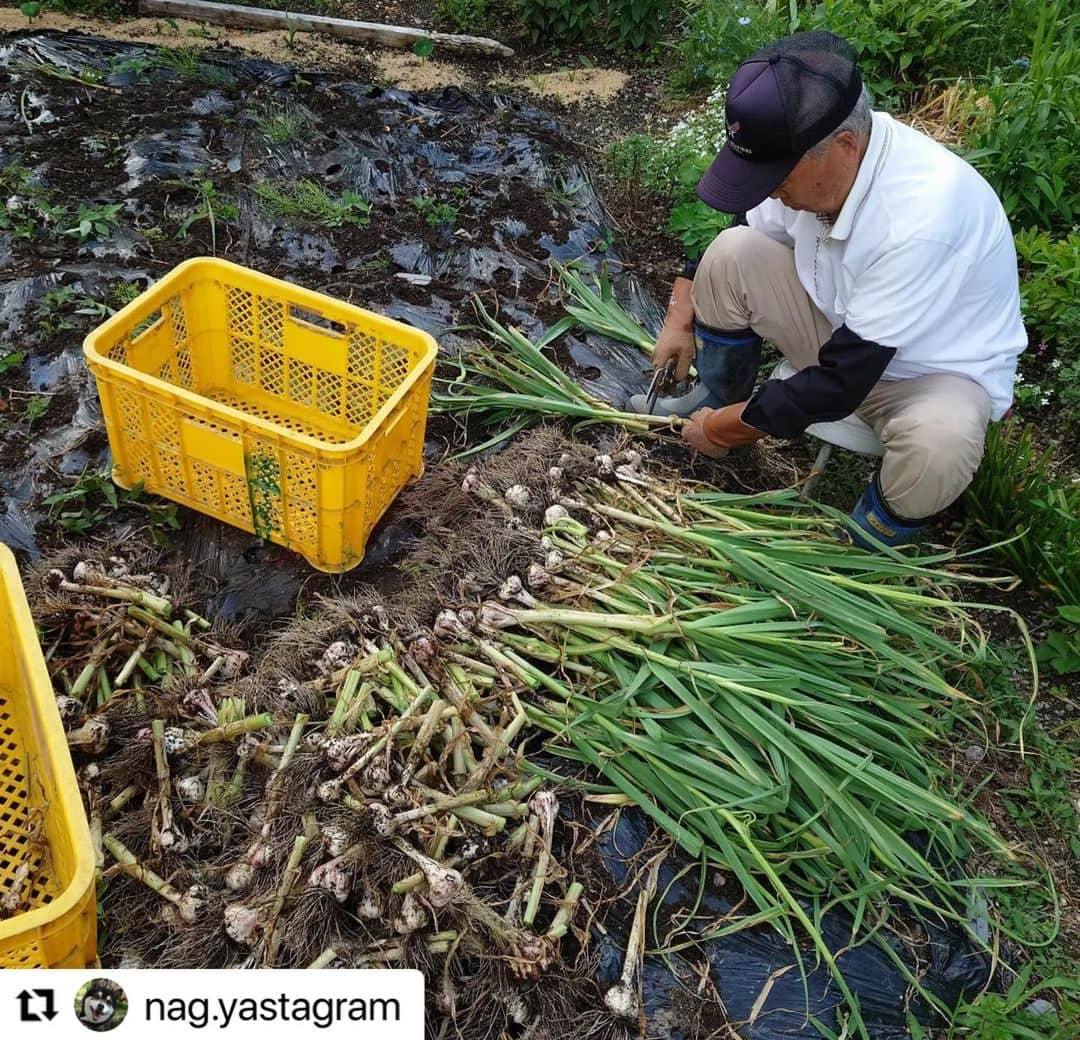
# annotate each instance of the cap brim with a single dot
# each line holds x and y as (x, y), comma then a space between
(734, 185)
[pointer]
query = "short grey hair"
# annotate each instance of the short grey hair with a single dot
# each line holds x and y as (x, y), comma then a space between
(857, 122)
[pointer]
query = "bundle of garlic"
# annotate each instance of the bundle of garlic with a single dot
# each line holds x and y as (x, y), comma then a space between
(363, 804)
(727, 665)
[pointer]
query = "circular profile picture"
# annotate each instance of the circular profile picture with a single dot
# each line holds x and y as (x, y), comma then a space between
(100, 1005)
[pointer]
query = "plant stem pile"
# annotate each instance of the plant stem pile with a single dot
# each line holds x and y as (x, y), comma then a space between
(516, 385)
(353, 798)
(771, 698)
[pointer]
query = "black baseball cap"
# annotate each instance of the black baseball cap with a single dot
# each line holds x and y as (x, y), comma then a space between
(780, 102)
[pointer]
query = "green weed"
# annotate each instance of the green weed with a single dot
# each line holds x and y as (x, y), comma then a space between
(210, 205)
(901, 43)
(717, 35)
(636, 25)
(36, 408)
(310, 200)
(122, 293)
(1005, 1016)
(282, 125)
(98, 221)
(1016, 500)
(1061, 650)
(696, 225)
(559, 21)
(188, 63)
(11, 361)
(436, 214)
(1027, 137)
(94, 497)
(463, 16)
(1050, 291)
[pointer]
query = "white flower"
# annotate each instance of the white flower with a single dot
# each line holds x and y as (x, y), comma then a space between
(1056, 363)
(744, 20)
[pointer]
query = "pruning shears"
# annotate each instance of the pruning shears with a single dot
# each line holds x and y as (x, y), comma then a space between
(661, 380)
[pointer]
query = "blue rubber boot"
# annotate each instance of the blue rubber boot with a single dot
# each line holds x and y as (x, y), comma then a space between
(727, 362)
(873, 519)
(727, 366)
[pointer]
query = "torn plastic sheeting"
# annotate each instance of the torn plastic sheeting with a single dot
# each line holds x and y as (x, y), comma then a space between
(176, 155)
(62, 448)
(742, 963)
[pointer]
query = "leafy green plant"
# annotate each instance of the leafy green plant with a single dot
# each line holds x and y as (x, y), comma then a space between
(31, 8)
(210, 205)
(136, 65)
(89, 502)
(11, 361)
(901, 43)
(560, 21)
(122, 293)
(1050, 291)
(1032, 518)
(1061, 650)
(1026, 139)
(716, 36)
(36, 407)
(1005, 1016)
(467, 16)
(307, 198)
(436, 214)
(696, 225)
(636, 25)
(424, 48)
(1050, 285)
(95, 221)
(18, 221)
(53, 309)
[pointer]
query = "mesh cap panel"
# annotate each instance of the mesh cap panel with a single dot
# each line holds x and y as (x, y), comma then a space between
(818, 81)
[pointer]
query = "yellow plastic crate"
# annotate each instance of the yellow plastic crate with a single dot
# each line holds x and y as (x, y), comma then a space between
(41, 814)
(276, 409)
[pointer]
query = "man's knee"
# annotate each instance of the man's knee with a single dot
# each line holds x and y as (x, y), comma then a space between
(717, 295)
(734, 245)
(931, 456)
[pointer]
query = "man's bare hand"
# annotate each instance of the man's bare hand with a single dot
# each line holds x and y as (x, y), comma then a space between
(677, 344)
(693, 433)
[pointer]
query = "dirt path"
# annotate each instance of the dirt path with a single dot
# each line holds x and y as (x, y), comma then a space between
(312, 50)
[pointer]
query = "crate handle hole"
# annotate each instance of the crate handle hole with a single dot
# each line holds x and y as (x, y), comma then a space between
(307, 316)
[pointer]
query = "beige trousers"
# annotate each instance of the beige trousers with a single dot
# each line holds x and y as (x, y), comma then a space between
(933, 426)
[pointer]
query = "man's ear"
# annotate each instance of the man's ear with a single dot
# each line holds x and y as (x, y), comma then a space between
(848, 141)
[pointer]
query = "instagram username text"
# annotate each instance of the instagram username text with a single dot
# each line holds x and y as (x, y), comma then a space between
(320, 1012)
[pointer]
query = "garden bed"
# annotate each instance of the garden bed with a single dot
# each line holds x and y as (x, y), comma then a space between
(419, 202)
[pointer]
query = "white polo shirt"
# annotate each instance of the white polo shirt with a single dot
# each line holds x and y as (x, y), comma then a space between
(920, 258)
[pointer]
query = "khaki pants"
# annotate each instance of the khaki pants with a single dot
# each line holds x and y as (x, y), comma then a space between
(933, 427)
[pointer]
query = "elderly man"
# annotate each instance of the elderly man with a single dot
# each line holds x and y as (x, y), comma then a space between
(877, 261)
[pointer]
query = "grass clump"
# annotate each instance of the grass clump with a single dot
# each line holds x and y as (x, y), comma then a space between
(189, 63)
(1026, 141)
(282, 125)
(1031, 517)
(309, 200)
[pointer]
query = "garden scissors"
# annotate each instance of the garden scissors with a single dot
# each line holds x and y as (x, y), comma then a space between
(661, 380)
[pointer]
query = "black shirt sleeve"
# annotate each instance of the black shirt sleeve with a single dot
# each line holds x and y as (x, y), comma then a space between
(847, 369)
